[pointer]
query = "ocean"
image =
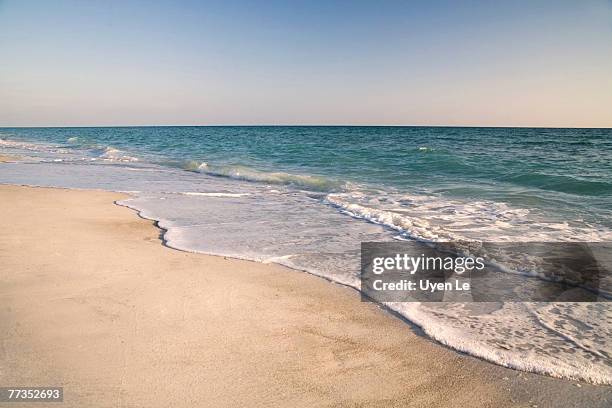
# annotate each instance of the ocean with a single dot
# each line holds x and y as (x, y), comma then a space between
(307, 196)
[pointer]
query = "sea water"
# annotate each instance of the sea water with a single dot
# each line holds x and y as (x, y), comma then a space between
(306, 197)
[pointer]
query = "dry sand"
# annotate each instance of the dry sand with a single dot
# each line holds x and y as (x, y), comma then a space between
(91, 300)
(7, 159)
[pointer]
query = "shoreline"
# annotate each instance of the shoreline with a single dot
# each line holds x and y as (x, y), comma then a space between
(302, 342)
(539, 367)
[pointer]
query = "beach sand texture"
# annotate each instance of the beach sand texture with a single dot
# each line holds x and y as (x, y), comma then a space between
(7, 159)
(92, 301)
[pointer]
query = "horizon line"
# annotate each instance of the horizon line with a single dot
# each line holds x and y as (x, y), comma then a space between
(307, 125)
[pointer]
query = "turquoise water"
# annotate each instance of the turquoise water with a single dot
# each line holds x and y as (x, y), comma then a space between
(560, 171)
(306, 197)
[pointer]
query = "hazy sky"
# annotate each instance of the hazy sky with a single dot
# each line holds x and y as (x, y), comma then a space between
(531, 63)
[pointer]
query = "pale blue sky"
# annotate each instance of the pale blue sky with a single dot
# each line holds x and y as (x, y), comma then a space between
(524, 63)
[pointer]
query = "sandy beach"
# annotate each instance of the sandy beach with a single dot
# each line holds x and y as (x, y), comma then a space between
(92, 301)
(7, 159)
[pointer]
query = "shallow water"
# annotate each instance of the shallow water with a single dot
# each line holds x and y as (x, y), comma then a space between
(306, 197)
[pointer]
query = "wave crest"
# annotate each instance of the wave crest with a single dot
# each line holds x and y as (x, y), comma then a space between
(245, 173)
(112, 154)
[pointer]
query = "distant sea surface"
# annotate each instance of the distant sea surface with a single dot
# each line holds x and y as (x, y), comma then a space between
(307, 196)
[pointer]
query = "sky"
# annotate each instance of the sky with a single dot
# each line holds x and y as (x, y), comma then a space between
(448, 63)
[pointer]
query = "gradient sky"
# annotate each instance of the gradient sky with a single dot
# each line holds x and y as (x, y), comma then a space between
(521, 63)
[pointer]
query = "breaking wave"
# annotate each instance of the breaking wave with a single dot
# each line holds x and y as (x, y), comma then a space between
(112, 154)
(245, 173)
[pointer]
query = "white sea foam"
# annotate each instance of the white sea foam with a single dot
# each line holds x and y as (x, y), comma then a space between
(194, 193)
(432, 218)
(21, 145)
(112, 154)
(562, 340)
